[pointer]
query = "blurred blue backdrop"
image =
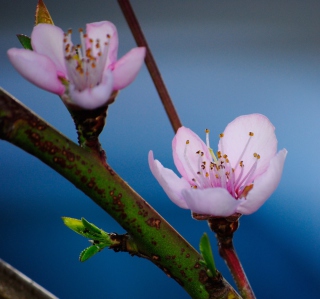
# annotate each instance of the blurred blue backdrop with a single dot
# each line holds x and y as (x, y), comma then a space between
(219, 59)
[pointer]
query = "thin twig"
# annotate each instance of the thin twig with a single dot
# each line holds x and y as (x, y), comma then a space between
(151, 64)
(231, 258)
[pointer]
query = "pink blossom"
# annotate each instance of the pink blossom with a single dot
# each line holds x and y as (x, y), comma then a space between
(84, 75)
(238, 179)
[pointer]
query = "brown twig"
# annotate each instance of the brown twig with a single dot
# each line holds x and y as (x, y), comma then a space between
(151, 64)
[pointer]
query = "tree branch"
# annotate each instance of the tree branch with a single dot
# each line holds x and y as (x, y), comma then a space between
(154, 237)
(14, 284)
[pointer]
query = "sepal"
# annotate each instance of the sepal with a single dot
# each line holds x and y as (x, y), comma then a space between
(42, 14)
(91, 251)
(25, 41)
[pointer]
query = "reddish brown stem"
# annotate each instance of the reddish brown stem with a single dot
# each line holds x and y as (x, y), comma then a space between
(224, 229)
(151, 64)
(231, 258)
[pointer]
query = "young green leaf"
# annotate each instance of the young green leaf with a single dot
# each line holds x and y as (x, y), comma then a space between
(88, 253)
(91, 227)
(99, 238)
(84, 228)
(206, 252)
(75, 224)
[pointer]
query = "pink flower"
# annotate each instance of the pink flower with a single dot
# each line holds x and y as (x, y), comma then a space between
(83, 75)
(239, 179)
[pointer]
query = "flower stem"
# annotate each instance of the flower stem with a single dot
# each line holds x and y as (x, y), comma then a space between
(89, 124)
(151, 64)
(224, 229)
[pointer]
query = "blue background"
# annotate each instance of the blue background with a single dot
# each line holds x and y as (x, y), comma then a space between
(219, 59)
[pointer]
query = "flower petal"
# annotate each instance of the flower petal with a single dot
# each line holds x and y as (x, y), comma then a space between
(264, 185)
(99, 31)
(126, 69)
(91, 98)
(211, 201)
(185, 155)
(36, 68)
(169, 181)
(47, 40)
(236, 136)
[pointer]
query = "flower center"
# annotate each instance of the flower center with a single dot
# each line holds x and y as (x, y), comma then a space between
(85, 69)
(218, 171)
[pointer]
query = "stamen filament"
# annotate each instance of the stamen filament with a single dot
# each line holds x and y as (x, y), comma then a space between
(245, 181)
(188, 162)
(244, 150)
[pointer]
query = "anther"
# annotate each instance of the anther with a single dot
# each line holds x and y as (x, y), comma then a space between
(256, 156)
(221, 135)
(251, 134)
(187, 142)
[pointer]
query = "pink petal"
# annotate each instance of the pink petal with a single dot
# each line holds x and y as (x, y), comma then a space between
(126, 69)
(37, 69)
(236, 136)
(210, 201)
(92, 98)
(99, 31)
(264, 186)
(169, 181)
(47, 40)
(188, 163)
